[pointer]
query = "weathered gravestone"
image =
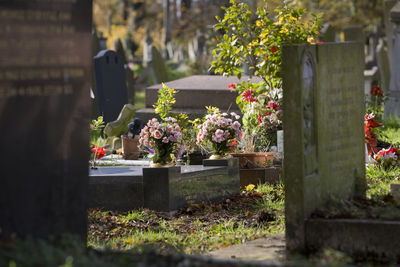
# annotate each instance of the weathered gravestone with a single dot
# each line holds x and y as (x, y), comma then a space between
(323, 130)
(383, 67)
(389, 26)
(45, 71)
(392, 105)
(354, 33)
(130, 82)
(157, 67)
(328, 33)
(110, 84)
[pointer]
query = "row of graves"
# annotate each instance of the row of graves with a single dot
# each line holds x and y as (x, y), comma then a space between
(45, 109)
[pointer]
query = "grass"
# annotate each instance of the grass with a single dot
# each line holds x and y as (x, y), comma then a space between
(198, 229)
(390, 132)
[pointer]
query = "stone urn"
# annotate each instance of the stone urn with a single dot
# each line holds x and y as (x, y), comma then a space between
(255, 159)
(130, 149)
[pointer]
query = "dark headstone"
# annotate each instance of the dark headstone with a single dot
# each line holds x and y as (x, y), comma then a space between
(354, 33)
(45, 71)
(110, 84)
(328, 33)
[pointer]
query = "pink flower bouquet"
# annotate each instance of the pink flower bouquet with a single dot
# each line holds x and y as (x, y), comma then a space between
(162, 137)
(220, 131)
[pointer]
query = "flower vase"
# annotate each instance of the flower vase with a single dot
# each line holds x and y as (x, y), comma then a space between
(160, 165)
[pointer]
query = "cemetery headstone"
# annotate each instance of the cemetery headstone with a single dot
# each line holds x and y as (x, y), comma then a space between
(120, 50)
(383, 67)
(110, 84)
(147, 49)
(354, 33)
(389, 26)
(157, 67)
(45, 71)
(323, 131)
(392, 105)
(328, 33)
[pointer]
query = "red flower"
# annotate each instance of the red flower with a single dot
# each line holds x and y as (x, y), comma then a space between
(99, 151)
(273, 49)
(319, 42)
(232, 86)
(370, 121)
(233, 143)
(376, 91)
(266, 58)
(274, 105)
(260, 117)
(248, 95)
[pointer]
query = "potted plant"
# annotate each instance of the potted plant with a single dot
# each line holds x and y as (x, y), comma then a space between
(219, 131)
(256, 40)
(130, 142)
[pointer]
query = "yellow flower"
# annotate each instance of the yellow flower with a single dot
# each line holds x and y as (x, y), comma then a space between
(311, 40)
(258, 23)
(250, 187)
(283, 31)
(129, 241)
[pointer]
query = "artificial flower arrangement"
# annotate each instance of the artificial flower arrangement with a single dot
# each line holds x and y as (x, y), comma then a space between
(262, 117)
(220, 131)
(162, 137)
(387, 158)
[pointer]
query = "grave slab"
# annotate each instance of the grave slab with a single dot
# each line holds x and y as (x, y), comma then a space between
(163, 189)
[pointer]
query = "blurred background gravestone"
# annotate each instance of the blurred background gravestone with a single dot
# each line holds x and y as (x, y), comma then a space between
(328, 33)
(392, 106)
(157, 67)
(45, 72)
(110, 84)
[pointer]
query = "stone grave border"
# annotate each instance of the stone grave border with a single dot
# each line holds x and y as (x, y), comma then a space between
(163, 189)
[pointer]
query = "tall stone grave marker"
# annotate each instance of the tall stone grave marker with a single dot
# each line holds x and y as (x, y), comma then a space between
(323, 87)
(110, 84)
(157, 67)
(45, 79)
(392, 105)
(389, 26)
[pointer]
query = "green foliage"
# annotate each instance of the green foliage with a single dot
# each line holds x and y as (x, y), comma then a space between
(96, 132)
(256, 39)
(165, 101)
